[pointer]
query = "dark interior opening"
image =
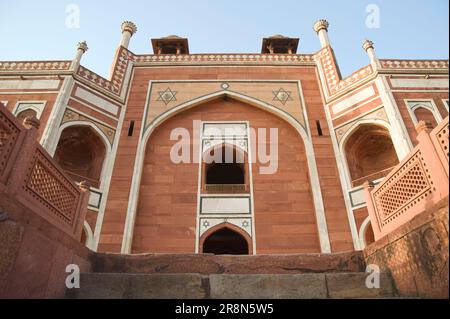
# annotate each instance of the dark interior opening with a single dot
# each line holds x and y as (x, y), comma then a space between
(225, 173)
(131, 128)
(225, 242)
(81, 152)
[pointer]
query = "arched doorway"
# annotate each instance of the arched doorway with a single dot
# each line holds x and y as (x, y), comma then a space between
(225, 242)
(370, 153)
(165, 212)
(81, 153)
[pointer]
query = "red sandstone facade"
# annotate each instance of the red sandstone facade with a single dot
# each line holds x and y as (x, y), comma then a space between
(333, 134)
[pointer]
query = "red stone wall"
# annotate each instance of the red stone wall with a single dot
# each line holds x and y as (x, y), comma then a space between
(13, 99)
(437, 98)
(284, 210)
(416, 254)
(113, 224)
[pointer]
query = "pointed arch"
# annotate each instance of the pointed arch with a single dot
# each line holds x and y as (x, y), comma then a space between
(365, 227)
(146, 132)
(225, 225)
(423, 105)
(99, 133)
(343, 142)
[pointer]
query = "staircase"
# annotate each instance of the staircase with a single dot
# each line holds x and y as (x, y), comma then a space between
(200, 276)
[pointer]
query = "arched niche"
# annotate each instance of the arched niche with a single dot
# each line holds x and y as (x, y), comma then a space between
(81, 153)
(370, 153)
(26, 113)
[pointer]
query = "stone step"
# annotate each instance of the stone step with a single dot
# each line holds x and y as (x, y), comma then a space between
(227, 264)
(235, 286)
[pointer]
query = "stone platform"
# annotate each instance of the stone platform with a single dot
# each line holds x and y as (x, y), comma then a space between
(227, 264)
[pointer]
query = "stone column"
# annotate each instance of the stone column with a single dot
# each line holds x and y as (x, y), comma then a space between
(321, 28)
(82, 47)
(128, 29)
(368, 47)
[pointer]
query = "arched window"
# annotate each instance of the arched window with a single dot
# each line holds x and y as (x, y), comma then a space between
(227, 172)
(81, 153)
(370, 154)
(225, 242)
(25, 113)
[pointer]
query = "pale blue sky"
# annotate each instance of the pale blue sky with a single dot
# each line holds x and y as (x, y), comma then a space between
(36, 30)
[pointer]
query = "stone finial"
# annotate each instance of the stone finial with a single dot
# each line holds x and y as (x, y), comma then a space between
(31, 121)
(82, 46)
(424, 126)
(367, 44)
(84, 186)
(321, 24)
(128, 26)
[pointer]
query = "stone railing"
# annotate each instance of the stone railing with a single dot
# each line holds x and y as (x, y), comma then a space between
(414, 185)
(30, 176)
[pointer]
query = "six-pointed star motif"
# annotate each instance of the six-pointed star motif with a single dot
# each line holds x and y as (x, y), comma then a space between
(282, 96)
(167, 96)
(206, 223)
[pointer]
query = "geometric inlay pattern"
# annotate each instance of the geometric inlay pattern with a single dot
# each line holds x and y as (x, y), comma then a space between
(282, 96)
(167, 96)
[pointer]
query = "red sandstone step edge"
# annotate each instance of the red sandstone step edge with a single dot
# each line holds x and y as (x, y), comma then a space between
(228, 264)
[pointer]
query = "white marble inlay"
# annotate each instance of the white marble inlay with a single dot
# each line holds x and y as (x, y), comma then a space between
(358, 197)
(95, 100)
(94, 199)
(353, 99)
(222, 129)
(420, 83)
(28, 84)
(225, 205)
